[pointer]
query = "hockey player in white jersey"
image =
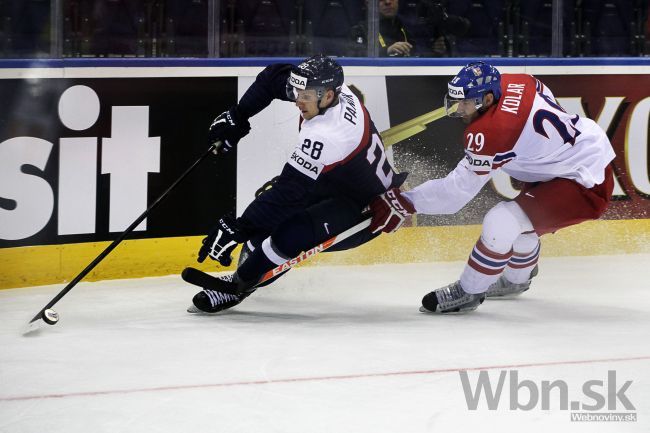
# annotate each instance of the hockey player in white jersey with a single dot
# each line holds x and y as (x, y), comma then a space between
(337, 166)
(514, 125)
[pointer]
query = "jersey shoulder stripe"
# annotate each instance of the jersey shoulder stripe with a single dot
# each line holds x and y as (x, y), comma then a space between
(501, 159)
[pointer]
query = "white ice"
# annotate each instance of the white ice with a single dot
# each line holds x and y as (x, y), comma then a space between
(327, 349)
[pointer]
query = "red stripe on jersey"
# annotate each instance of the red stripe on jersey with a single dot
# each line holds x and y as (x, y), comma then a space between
(365, 141)
(491, 254)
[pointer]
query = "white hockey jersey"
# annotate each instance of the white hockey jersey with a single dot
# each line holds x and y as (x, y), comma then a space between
(527, 135)
(343, 150)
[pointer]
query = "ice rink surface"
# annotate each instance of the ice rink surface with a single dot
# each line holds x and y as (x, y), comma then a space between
(330, 349)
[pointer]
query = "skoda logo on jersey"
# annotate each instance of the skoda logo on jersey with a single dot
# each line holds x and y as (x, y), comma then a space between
(305, 166)
(456, 92)
(478, 160)
(297, 81)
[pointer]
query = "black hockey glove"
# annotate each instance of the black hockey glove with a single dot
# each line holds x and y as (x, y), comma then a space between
(223, 238)
(228, 128)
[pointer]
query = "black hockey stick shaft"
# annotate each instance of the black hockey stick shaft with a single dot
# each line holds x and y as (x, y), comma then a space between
(121, 237)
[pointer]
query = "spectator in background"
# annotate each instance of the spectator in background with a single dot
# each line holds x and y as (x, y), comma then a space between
(434, 25)
(393, 39)
(425, 37)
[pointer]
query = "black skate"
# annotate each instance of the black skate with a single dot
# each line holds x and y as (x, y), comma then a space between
(504, 289)
(211, 300)
(451, 299)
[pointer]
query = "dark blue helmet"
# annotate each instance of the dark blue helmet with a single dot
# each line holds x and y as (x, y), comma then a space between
(473, 82)
(318, 72)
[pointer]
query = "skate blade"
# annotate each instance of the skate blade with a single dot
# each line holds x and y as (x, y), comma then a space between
(448, 313)
(507, 297)
(195, 311)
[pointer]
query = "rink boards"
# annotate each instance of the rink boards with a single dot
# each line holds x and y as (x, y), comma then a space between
(39, 265)
(86, 146)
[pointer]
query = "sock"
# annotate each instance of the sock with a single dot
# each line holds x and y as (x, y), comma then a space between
(483, 268)
(524, 258)
(260, 261)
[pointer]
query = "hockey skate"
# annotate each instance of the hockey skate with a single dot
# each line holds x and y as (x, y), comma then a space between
(211, 300)
(504, 289)
(451, 299)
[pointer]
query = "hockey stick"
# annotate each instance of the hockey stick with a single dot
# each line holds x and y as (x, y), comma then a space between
(48, 315)
(411, 127)
(205, 280)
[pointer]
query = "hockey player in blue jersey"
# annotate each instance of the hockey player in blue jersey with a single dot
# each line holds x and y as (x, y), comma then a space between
(338, 165)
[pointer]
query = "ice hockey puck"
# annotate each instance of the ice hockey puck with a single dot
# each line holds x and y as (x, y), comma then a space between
(50, 316)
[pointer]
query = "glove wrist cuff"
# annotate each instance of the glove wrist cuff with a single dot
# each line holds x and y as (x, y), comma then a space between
(400, 203)
(236, 115)
(408, 205)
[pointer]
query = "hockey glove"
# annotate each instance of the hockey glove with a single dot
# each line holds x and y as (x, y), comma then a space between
(228, 128)
(223, 238)
(389, 211)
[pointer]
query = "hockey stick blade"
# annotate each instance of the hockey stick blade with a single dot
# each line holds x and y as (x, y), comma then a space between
(34, 327)
(201, 279)
(207, 281)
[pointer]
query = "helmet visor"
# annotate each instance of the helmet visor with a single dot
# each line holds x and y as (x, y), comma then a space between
(307, 95)
(459, 107)
(295, 82)
(304, 95)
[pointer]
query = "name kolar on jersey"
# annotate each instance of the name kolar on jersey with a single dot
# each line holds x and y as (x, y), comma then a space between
(511, 102)
(305, 164)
